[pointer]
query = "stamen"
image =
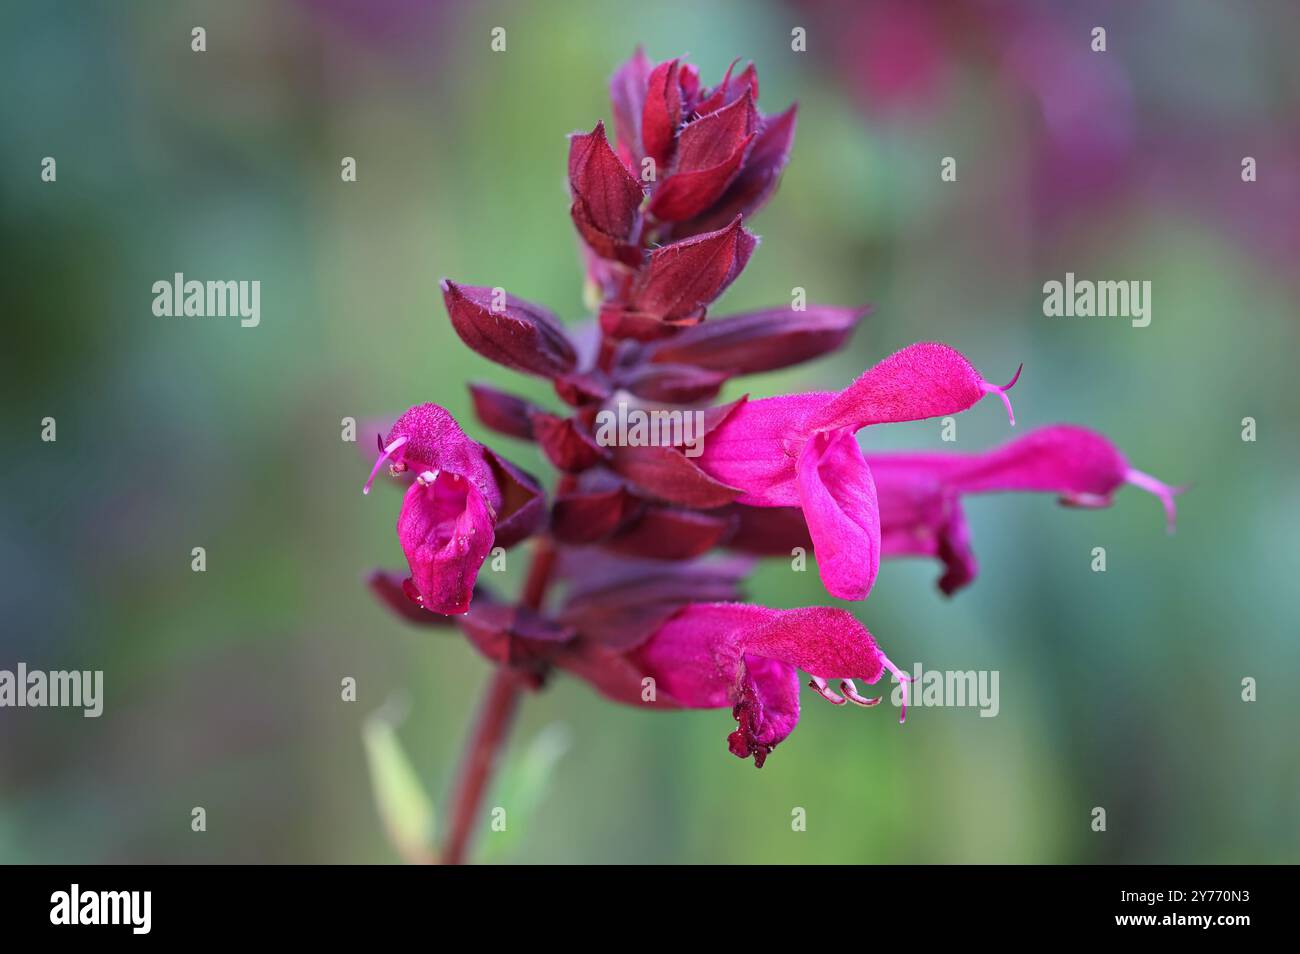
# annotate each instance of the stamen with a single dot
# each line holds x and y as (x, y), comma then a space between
(903, 680)
(1160, 489)
(427, 477)
(849, 689)
(385, 453)
(1002, 392)
(823, 690)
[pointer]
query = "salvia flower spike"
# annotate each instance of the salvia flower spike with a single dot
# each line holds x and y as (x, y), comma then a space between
(661, 202)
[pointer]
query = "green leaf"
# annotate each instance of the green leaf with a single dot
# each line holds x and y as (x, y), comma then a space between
(404, 806)
(523, 786)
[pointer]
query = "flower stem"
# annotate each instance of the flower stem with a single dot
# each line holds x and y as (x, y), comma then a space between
(495, 714)
(492, 724)
(539, 575)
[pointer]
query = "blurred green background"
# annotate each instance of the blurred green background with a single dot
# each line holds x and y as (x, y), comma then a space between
(1119, 689)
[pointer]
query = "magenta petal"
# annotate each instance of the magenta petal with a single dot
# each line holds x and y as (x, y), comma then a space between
(766, 708)
(756, 446)
(938, 530)
(839, 502)
(822, 641)
(919, 494)
(954, 551)
(445, 529)
(695, 656)
(1080, 465)
(1060, 459)
(713, 655)
(427, 437)
(920, 381)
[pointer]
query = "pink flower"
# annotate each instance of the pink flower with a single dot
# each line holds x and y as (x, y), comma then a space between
(800, 450)
(920, 494)
(672, 635)
(717, 655)
(464, 498)
(645, 616)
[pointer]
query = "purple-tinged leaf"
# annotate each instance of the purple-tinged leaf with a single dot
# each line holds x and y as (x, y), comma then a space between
(680, 280)
(761, 340)
(757, 181)
(667, 474)
(504, 413)
(673, 383)
(509, 330)
(606, 197)
(513, 635)
(565, 443)
(665, 533)
(662, 113)
(588, 515)
(523, 502)
(709, 155)
(624, 608)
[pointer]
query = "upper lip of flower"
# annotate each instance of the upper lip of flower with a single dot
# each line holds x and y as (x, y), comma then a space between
(799, 450)
(746, 656)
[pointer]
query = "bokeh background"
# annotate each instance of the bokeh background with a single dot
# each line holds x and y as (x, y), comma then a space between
(1119, 689)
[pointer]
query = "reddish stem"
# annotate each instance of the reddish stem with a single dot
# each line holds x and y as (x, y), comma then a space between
(539, 575)
(492, 725)
(495, 714)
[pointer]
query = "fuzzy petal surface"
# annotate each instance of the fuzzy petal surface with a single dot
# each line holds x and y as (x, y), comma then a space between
(446, 531)
(838, 496)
